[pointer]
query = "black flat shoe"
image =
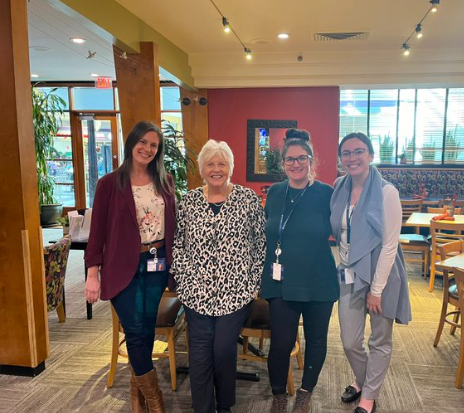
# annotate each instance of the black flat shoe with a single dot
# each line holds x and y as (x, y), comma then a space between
(362, 410)
(350, 395)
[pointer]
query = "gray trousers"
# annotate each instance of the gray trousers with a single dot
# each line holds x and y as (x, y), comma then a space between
(369, 368)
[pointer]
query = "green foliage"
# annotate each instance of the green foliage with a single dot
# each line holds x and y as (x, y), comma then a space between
(273, 162)
(178, 159)
(451, 146)
(428, 151)
(387, 146)
(47, 109)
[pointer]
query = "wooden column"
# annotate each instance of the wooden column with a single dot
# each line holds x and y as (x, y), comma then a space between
(23, 314)
(195, 126)
(138, 86)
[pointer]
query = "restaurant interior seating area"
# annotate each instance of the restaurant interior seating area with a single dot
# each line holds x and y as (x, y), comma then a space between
(393, 70)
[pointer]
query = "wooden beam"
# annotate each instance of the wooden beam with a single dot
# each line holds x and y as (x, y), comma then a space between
(138, 86)
(195, 126)
(24, 322)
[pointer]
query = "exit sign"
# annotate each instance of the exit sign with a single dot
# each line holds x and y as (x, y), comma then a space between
(103, 83)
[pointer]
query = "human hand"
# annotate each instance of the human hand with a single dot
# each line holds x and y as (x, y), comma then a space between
(374, 304)
(92, 285)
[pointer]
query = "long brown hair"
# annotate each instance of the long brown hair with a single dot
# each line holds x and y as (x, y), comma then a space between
(155, 168)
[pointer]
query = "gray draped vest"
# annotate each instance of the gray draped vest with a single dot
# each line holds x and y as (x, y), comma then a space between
(366, 243)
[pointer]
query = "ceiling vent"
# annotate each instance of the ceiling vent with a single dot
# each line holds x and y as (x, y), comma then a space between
(340, 36)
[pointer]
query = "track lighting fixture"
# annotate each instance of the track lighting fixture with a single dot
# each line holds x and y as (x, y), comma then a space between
(248, 53)
(418, 30)
(406, 48)
(226, 25)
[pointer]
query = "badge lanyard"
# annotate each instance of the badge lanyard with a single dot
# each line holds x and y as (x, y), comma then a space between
(283, 223)
(348, 220)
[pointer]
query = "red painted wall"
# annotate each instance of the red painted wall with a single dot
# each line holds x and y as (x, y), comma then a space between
(316, 109)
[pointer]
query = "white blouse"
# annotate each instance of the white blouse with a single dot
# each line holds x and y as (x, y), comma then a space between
(149, 207)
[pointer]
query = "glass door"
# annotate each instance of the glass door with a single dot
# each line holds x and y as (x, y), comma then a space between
(100, 148)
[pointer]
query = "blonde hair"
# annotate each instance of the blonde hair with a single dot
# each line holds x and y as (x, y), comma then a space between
(210, 150)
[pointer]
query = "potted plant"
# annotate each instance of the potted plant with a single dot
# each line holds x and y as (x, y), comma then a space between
(428, 152)
(46, 111)
(387, 147)
(178, 159)
(273, 162)
(452, 149)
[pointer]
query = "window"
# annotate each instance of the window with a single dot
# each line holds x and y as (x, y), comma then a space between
(170, 106)
(407, 126)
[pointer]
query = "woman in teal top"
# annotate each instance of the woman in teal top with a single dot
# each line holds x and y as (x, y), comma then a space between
(299, 276)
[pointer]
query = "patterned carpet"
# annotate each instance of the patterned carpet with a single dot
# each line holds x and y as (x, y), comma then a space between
(420, 379)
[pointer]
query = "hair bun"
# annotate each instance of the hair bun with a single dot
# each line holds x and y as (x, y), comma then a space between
(297, 134)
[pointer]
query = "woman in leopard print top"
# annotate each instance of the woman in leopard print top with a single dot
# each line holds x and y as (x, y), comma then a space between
(218, 257)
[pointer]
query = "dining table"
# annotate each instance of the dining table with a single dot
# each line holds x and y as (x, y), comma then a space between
(422, 219)
(456, 261)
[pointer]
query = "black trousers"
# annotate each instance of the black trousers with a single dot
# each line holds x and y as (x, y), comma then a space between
(285, 318)
(137, 309)
(213, 358)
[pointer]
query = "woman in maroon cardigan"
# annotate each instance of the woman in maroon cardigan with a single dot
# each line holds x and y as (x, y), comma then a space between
(130, 245)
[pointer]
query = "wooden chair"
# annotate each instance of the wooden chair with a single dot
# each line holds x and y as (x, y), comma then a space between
(170, 323)
(432, 210)
(442, 233)
(56, 260)
(415, 242)
(258, 325)
(459, 278)
(448, 201)
(450, 293)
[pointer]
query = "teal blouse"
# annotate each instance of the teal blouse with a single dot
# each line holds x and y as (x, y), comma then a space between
(309, 268)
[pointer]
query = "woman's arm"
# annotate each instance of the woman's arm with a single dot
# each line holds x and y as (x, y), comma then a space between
(258, 244)
(178, 249)
(391, 233)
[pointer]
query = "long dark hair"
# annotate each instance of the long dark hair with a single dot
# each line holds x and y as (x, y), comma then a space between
(155, 168)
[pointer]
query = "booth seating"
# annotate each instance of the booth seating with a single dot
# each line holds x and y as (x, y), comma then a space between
(170, 323)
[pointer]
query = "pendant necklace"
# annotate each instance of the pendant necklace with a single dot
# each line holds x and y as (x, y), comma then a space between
(301, 193)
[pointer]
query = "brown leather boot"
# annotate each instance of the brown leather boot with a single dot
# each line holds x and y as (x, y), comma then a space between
(279, 403)
(137, 400)
(148, 385)
(302, 402)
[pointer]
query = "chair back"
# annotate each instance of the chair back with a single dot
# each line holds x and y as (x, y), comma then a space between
(432, 210)
(448, 201)
(409, 207)
(459, 278)
(56, 259)
(444, 232)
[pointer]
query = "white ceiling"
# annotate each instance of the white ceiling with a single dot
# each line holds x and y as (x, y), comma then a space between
(217, 59)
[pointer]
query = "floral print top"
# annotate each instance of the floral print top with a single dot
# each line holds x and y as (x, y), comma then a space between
(150, 212)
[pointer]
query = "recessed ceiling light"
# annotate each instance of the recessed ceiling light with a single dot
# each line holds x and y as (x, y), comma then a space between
(78, 40)
(283, 35)
(34, 75)
(94, 74)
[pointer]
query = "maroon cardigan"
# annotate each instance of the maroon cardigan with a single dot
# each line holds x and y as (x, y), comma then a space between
(114, 241)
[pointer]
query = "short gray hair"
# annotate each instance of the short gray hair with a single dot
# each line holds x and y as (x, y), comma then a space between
(210, 150)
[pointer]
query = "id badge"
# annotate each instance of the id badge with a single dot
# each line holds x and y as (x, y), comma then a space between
(347, 275)
(277, 271)
(156, 265)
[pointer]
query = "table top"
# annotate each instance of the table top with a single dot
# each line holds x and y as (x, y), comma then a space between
(75, 245)
(420, 219)
(449, 263)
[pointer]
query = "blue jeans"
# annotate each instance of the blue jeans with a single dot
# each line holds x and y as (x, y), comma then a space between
(137, 309)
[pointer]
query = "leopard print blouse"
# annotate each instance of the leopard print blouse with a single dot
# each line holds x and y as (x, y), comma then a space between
(218, 259)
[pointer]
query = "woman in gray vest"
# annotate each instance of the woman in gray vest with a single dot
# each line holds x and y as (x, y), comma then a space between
(366, 222)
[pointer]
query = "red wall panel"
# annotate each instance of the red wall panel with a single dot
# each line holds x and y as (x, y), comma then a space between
(316, 109)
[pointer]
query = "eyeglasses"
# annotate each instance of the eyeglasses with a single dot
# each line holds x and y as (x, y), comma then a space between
(357, 153)
(302, 160)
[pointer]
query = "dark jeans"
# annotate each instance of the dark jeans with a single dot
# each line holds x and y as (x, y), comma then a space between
(285, 318)
(137, 308)
(213, 358)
